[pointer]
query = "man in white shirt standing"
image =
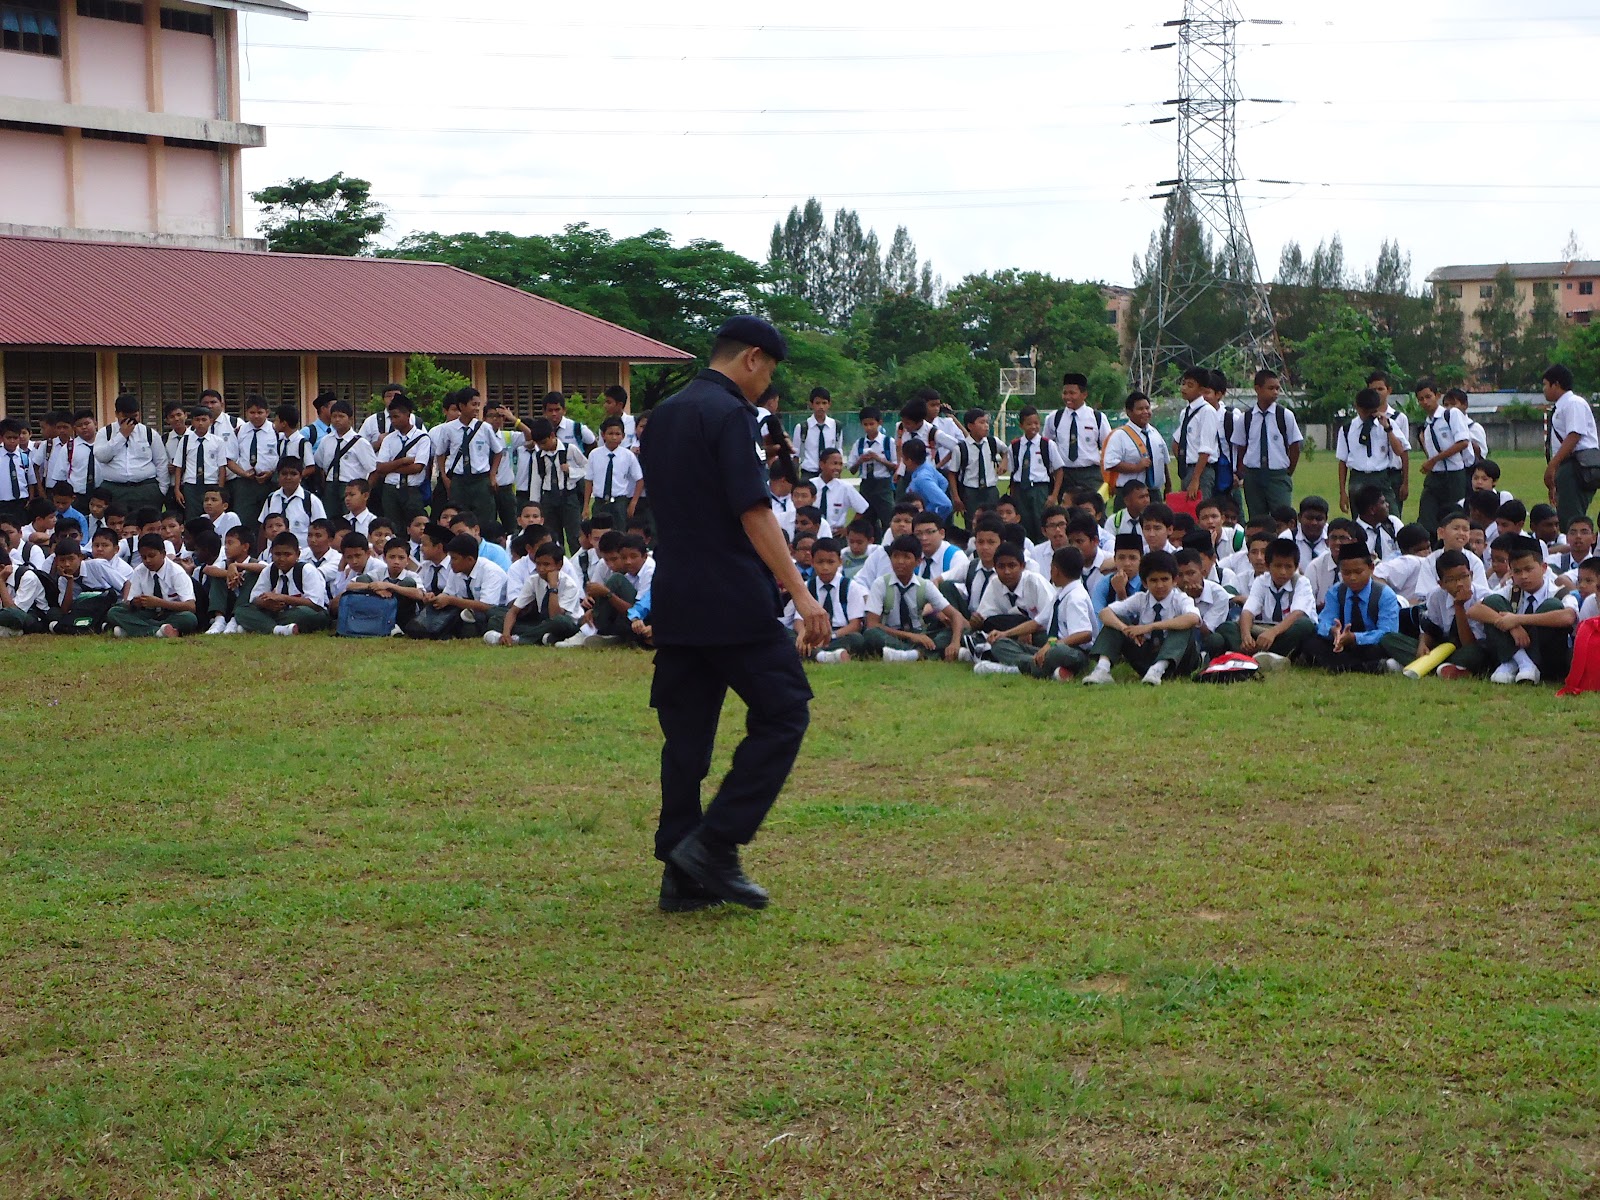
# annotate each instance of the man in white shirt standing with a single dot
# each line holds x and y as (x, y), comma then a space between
(1446, 472)
(1078, 432)
(816, 433)
(1266, 448)
(1572, 432)
(130, 460)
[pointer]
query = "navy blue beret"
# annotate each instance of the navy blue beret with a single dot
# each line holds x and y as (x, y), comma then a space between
(753, 331)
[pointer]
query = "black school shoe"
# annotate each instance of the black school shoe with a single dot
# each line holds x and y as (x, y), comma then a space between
(714, 866)
(680, 894)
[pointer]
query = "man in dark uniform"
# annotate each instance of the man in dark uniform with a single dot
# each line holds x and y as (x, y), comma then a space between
(714, 611)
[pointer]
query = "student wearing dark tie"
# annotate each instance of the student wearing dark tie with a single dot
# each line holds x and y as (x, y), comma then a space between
(1152, 630)
(1360, 611)
(615, 479)
(844, 601)
(159, 601)
(290, 596)
(1277, 617)
(1527, 620)
(1446, 471)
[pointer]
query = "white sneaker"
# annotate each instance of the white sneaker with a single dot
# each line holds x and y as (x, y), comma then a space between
(603, 639)
(493, 637)
(828, 657)
(118, 631)
(218, 625)
(395, 632)
(517, 640)
(988, 667)
(901, 656)
(233, 627)
(1269, 661)
(167, 631)
(574, 642)
(6, 631)
(1504, 673)
(1155, 675)
(1098, 676)
(1393, 666)
(1529, 675)
(964, 655)
(283, 630)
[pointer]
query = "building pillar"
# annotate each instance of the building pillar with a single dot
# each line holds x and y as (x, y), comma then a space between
(68, 25)
(308, 386)
(554, 368)
(480, 375)
(397, 368)
(74, 148)
(152, 55)
(110, 385)
(211, 372)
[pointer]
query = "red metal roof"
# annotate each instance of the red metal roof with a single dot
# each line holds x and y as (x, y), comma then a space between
(115, 294)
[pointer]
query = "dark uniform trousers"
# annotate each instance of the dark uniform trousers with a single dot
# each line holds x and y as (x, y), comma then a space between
(690, 685)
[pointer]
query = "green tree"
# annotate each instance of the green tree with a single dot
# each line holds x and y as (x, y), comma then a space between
(899, 325)
(818, 360)
(427, 384)
(1499, 326)
(336, 215)
(1061, 323)
(1537, 342)
(949, 369)
(837, 271)
(1336, 358)
(1580, 350)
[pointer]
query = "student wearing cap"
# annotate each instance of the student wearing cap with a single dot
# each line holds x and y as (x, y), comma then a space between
(714, 520)
(404, 456)
(1360, 611)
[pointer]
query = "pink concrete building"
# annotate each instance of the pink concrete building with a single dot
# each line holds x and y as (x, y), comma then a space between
(119, 120)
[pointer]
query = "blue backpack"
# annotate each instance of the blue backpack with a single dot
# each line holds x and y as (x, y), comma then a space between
(362, 614)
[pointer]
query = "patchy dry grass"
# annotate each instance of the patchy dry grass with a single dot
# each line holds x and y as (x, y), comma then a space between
(315, 918)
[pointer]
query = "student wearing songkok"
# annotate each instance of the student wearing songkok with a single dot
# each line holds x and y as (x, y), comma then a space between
(837, 499)
(896, 629)
(872, 459)
(1360, 610)
(1279, 613)
(1527, 621)
(1446, 618)
(1153, 630)
(843, 600)
(159, 601)
(548, 608)
(289, 597)
(1212, 601)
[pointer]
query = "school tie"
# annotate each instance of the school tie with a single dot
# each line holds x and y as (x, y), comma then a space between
(1277, 604)
(927, 567)
(822, 502)
(1072, 436)
(822, 438)
(468, 586)
(16, 484)
(155, 587)
(71, 446)
(1022, 473)
(255, 436)
(984, 576)
(1366, 434)
(88, 470)
(1011, 599)
(827, 601)
(1357, 623)
(1264, 453)
(434, 586)
(983, 453)
(1150, 452)
(611, 467)
(1530, 606)
(200, 459)
(1434, 434)
(906, 621)
(1055, 620)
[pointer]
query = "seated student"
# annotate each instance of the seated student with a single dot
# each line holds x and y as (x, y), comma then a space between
(355, 553)
(1482, 509)
(1123, 582)
(214, 502)
(1311, 526)
(1155, 527)
(33, 601)
(842, 599)
(475, 586)
(1580, 545)
(466, 522)
(357, 495)
(1359, 612)
(1153, 630)
(1324, 569)
(548, 608)
(1527, 623)
(1083, 532)
(968, 591)
(378, 534)
(1378, 529)
(528, 539)
(1404, 572)
(98, 511)
(320, 550)
(1486, 478)
(159, 601)
(1183, 524)
(862, 560)
(900, 522)
(1250, 563)
(229, 581)
(1499, 569)
(808, 520)
(1277, 618)
(1133, 498)
(608, 602)
(1511, 519)
(35, 535)
(1053, 521)
(203, 549)
(104, 570)
(1478, 546)
(837, 498)
(923, 481)
(293, 502)
(1445, 618)
(289, 596)
(62, 497)
(940, 559)
(1208, 517)
(1211, 571)
(394, 580)
(896, 630)
(1015, 608)
(1212, 601)
(1068, 629)
(1589, 588)
(639, 620)
(1545, 524)
(1093, 504)
(1454, 533)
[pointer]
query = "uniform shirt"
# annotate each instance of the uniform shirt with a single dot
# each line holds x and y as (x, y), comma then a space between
(838, 500)
(1140, 609)
(872, 565)
(542, 473)
(927, 435)
(362, 521)
(978, 464)
(467, 449)
(140, 459)
(1440, 608)
(225, 424)
(1442, 430)
(355, 455)
(947, 562)
(1323, 573)
(73, 461)
(1033, 460)
(844, 601)
(44, 455)
(1078, 434)
(1520, 600)
(327, 563)
(1363, 445)
(811, 438)
(1403, 573)
(415, 445)
(1265, 597)
(216, 449)
(311, 584)
(882, 444)
(295, 444)
(1572, 414)
(1071, 612)
(315, 431)
(172, 440)
(1214, 604)
(495, 553)
(487, 582)
(1308, 550)
(1199, 432)
(976, 582)
(255, 449)
(17, 474)
(586, 567)
(28, 591)
(949, 432)
(570, 433)
(506, 473)
(171, 582)
(1590, 608)
(1479, 436)
(298, 507)
(1032, 598)
(530, 597)
(105, 574)
(929, 486)
(894, 601)
(434, 577)
(1382, 538)
(1129, 443)
(617, 468)
(1344, 605)
(377, 428)
(783, 508)
(1247, 434)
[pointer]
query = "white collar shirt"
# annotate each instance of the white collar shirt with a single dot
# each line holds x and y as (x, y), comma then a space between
(255, 448)
(1199, 432)
(1247, 433)
(174, 582)
(1572, 414)
(345, 459)
(1032, 598)
(1140, 608)
(1092, 429)
(844, 600)
(1442, 430)
(623, 468)
(139, 459)
(1265, 597)
(414, 444)
(312, 584)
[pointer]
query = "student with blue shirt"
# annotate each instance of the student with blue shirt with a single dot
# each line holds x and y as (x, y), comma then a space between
(1123, 580)
(925, 483)
(1359, 613)
(467, 523)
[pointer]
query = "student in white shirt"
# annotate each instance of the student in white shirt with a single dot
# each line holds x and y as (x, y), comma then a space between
(614, 400)
(1445, 618)
(1016, 605)
(1323, 572)
(1572, 432)
(608, 603)
(105, 570)
(342, 457)
(159, 598)
(255, 461)
(1370, 450)
(1280, 612)
(1067, 627)
(843, 599)
(73, 460)
(1476, 433)
(467, 454)
(130, 460)
(1079, 433)
(568, 431)
(615, 478)
(289, 597)
(873, 460)
(939, 559)
(223, 423)
(1266, 448)
(33, 600)
(816, 433)
(1152, 630)
(1196, 442)
(405, 456)
(294, 503)
(475, 586)
(1137, 451)
(1527, 623)
(1446, 470)
(837, 498)
(547, 608)
(1212, 601)
(377, 427)
(1378, 528)
(896, 629)
(1404, 571)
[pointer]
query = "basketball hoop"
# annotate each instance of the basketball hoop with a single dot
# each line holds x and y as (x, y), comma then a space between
(1014, 381)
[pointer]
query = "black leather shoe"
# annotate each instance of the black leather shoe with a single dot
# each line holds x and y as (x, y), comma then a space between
(681, 894)
(715, 867)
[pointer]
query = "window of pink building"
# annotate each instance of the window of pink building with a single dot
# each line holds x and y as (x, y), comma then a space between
(521, 383)
(38, 382)
(588, 379)
(275, 377)
(157, 379)
(31, 26)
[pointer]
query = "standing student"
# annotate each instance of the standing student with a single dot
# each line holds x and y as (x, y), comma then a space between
(499, 417)
(377, 427)
(289, 597)
(130, 461)
(1078, 432)
(294, 443)
(569, 431)
(816, 433)
(1360, 611)
(975, 467)
(1400, 475)
(614, 400)
(1446, 471)
(1195, 445)
(201, 463)
(1137, 452)
(915, 426)
(159, 598)
(223, 423)
(342, 457)
(842, 599)
(1153, 631)
(1457, 399)
(1370, 450)
(18, 482)
(872, 458)
(319, 426)
(1527, 621)
(403, 458)
(467, 454)
(73, 460)
(1266, 447)
(254, 464)
(176, 414)
(1036, 472)
(615, 478)
(1572, 432)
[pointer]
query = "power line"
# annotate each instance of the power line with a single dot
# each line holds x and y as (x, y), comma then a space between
(568, 56)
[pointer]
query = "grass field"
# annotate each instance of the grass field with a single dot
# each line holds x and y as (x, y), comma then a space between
(1522, 474)
(312, 918)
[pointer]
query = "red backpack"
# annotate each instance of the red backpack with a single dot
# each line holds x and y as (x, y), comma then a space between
(1585, 673)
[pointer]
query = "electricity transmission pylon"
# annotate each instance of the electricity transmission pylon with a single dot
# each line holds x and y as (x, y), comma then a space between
(1206, 210)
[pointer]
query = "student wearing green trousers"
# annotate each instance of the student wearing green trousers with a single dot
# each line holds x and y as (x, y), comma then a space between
(1527, 621)
(160, 596)
(896, 630)
(468, 454)
(1152, 630)
(611, 600)
(615, 480)
(1369, 449)
(1036, 473)
(844, 602)
(548, 609)
(1447, 471)
(1266, 448)
(289, 597)
(1572, 432)
(1446, 618)
(342, 457)
(1068, 630)
(404, 457)
(1279, 613)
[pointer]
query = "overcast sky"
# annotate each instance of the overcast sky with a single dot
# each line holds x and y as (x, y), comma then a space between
(1011, 134)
